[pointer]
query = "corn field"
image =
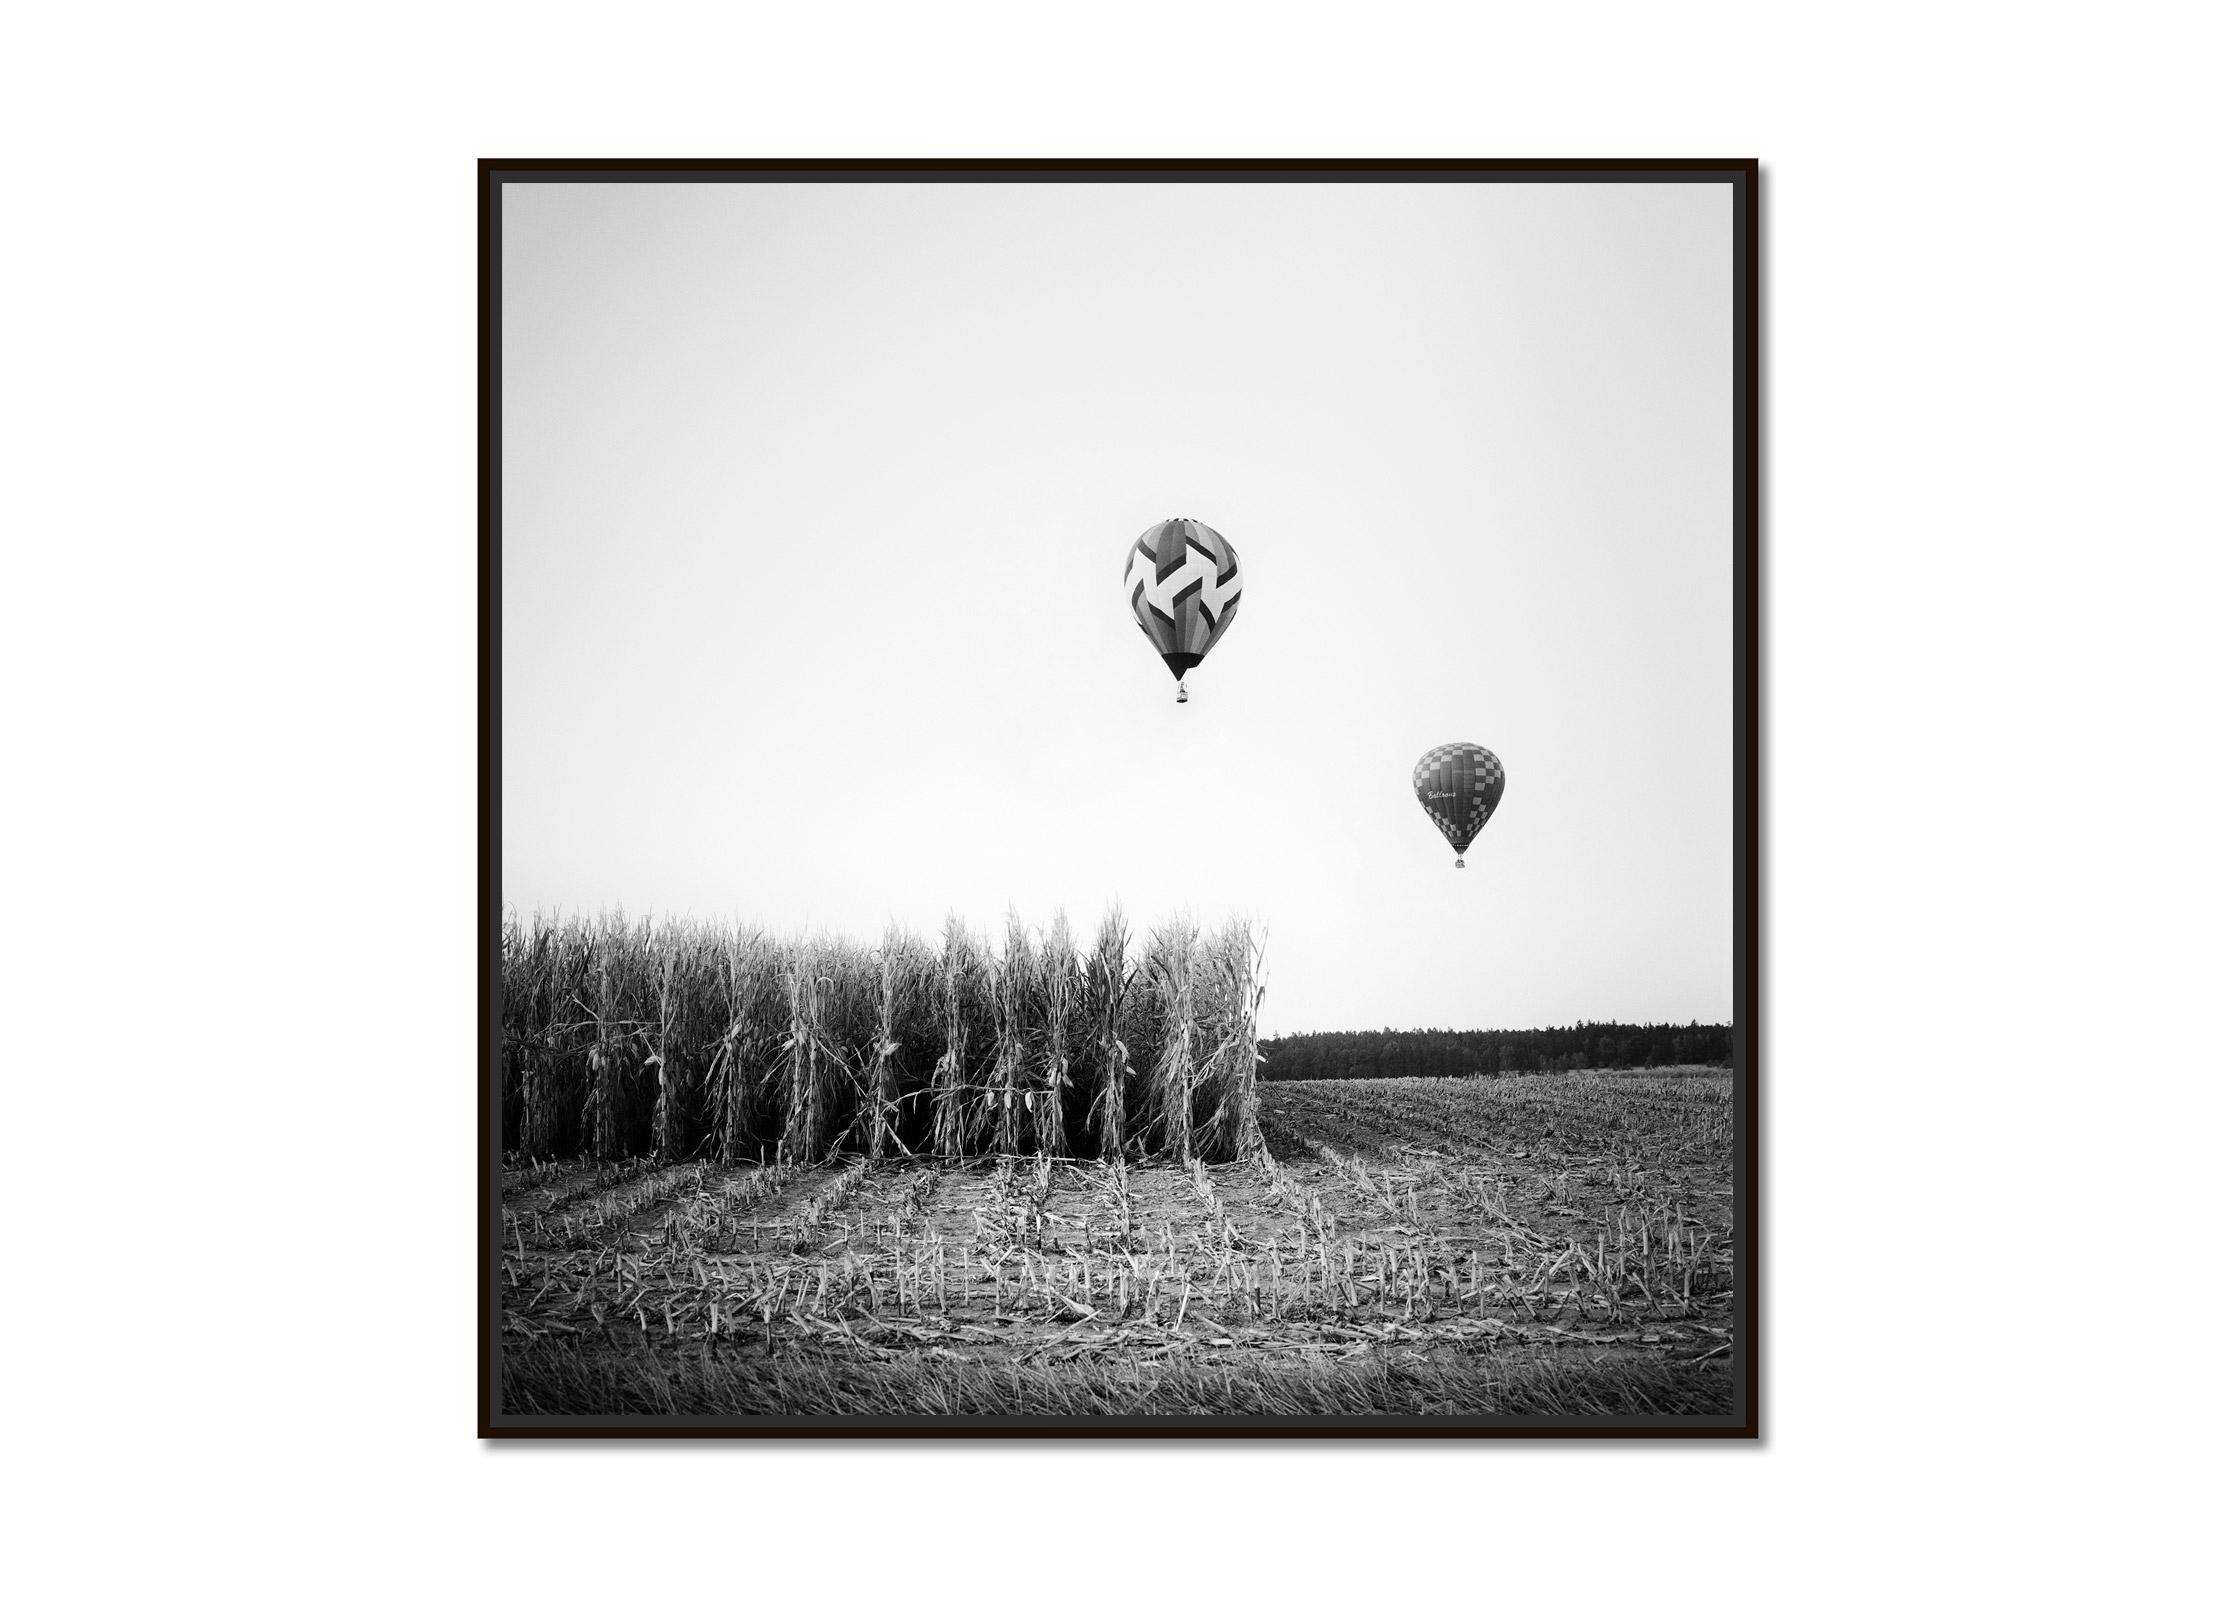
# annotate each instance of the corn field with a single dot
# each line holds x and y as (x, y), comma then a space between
(688, 1041)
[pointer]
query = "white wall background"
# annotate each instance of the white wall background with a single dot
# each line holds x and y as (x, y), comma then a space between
(238, 494)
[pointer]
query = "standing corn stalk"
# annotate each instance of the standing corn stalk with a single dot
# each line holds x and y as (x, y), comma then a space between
(958, 972)
(1231, 990)
(1061, 982)
(516, 989)
(750, 996)
(1104, 993)
(881, 1111)
(539, 976)
(814, 1070)
(601, 1130)
(1014, 983)
(1174, 1075)
(667, 1123)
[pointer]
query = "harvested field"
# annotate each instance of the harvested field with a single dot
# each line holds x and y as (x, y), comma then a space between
(1533, 1245)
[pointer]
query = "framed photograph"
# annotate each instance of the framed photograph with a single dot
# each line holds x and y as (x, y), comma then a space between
(1305, 987)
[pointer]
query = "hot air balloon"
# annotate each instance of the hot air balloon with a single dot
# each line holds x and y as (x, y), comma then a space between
(1183, 586)
(1459, 785)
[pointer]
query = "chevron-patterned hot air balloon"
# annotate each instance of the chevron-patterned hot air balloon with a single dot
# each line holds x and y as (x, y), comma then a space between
(1183, 585)
(1459, 785)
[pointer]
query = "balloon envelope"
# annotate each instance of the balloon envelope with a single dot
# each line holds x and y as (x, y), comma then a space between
(1183, 585)
(1459, 785)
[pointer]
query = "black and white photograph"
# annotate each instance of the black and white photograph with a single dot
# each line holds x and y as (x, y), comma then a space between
(1118, 797)
(1239, 798)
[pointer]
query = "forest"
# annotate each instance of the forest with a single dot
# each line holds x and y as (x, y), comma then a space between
(1446, 1053)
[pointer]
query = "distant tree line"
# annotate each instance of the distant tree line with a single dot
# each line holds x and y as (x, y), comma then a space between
(1446, 1053)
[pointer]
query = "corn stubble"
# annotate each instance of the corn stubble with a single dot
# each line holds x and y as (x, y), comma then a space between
(728, 1381)
(1564, 1249)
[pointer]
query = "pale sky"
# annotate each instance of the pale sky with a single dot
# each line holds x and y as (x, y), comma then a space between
(817, 498)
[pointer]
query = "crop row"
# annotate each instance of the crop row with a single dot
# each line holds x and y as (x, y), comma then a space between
(847, 1254)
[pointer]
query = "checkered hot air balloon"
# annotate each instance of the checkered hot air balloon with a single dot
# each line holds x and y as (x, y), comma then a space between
(1459, 785)
(1183, 585)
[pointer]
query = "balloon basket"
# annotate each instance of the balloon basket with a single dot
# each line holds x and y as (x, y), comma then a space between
(1181, 695)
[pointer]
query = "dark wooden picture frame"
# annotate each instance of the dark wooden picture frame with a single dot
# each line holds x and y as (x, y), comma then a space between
(1747, 1060)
